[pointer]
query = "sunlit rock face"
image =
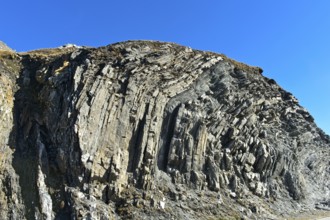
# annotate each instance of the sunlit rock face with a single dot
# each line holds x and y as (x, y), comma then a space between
(151, 130)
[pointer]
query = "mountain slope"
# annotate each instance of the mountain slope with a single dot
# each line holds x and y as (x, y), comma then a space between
(146, 130)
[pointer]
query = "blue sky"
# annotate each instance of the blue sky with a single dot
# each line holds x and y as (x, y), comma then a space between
(288, 39)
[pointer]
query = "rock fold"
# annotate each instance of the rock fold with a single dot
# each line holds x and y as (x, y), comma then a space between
(150, 130)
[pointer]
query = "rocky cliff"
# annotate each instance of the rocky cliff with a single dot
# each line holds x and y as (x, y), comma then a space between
(150, 130)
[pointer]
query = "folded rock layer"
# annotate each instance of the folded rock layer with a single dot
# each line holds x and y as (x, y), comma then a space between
(151, 130)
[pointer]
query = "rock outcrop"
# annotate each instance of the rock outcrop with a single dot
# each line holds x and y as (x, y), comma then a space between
(150, 130)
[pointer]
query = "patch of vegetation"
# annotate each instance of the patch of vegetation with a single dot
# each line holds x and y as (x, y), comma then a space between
(44, 53)
(243, 66)
(11, 61)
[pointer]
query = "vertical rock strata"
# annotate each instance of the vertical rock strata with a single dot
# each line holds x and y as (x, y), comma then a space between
(10, 204)
(147, 130)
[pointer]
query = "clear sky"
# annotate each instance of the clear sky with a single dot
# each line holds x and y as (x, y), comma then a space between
(290, 40)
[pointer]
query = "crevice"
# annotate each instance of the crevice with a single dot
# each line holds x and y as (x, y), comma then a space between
(29, 107)
(135, 150)
(167, 134)
(25, 161)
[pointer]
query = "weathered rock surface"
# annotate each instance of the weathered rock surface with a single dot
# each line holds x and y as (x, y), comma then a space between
(150, 130)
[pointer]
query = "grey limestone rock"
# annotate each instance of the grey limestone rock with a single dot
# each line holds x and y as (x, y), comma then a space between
(151, 130)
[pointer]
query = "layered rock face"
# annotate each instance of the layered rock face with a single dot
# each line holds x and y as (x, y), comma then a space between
(150, 130)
